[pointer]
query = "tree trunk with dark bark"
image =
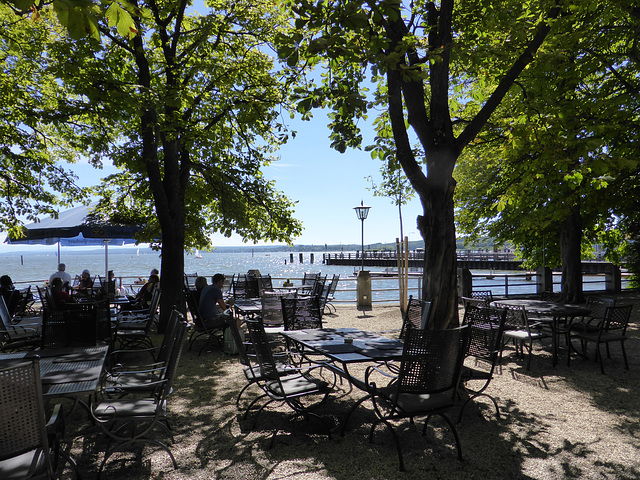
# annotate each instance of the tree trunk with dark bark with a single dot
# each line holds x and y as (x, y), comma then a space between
(570, 252)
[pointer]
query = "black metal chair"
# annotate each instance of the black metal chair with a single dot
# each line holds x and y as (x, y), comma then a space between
(130, 421)
(135, 330)
(200, 329)
(328, 294)
(16, 337)
(288, 388)
(486, 326)
(476, 302)
(486, 295)
(426, 384)
(29, 445)
(75, 326)
(519, 329)
(240, 287)
(612, 328)
(417, 315)
(598, 308)
(301, 312)
(124, 377)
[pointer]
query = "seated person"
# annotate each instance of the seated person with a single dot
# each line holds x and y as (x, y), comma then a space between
(212, 305)
(86, 283)
(66, 278)
(58, 294)
(9, 293)
(200, 284)
(142, 300)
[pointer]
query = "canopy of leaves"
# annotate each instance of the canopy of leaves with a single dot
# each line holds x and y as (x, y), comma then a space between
(32, 178)
(205, 91)
(567, 137)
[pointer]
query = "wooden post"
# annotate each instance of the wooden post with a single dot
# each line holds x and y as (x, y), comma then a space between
(403, 296)
(406, 269)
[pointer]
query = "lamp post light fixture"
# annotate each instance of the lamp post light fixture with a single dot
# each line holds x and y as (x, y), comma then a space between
(362, 211)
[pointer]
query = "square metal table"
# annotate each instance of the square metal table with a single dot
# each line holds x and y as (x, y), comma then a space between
(68, 372)
(551, 313)
(344, 346)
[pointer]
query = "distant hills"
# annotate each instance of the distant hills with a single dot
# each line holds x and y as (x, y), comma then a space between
(348, 247)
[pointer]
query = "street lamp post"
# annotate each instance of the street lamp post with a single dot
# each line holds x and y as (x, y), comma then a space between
(362, 211)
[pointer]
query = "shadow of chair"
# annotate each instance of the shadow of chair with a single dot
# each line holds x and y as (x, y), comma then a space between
(29, 445)
(200, 329)
(612, 328)
(130, 421)
(16, 337)
(486, 326)
(289, 388)
(520, 330)
(417, 315)
(426, 384)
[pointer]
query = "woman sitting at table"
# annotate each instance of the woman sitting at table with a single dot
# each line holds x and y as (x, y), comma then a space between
(142, 300)
(85, 283)
(59, 295)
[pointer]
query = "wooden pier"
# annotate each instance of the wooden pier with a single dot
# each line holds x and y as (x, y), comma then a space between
(473, 260)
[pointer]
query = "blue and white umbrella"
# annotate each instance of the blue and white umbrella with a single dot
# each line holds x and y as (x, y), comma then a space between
(76, 227)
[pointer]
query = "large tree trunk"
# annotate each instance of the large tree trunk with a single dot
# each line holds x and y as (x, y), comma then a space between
(172, 274)
(440, 262)
(570, 252)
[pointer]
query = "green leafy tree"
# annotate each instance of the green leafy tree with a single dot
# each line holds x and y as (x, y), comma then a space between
(431, 62)
(195, 102)
(547, 174)
(394, 184)
(33, 180)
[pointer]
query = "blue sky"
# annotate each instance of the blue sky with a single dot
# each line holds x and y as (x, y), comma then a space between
(327, 185)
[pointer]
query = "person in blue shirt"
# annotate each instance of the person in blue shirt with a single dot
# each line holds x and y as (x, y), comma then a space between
(212, 305)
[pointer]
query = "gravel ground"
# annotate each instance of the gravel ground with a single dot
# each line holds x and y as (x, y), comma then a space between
(554, 423)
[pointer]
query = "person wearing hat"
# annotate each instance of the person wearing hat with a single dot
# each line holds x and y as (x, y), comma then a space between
(62, 275)
(85, 281)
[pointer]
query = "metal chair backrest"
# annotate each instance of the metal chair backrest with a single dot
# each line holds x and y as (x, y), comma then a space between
(5, 325)
(175, 354)
(334, 284)
(76, 325)
(476, 302)
(483, 294)
(271, 309)
(516, 317)
(617, 318)
(22, 417)
(169, 339)
(486, 326)
(262, 349)
(194, 309)
(266, 284)
(310, 278)
(431, 361)
(239, 287)
(417, 315)
(301, 312)
(598, 306)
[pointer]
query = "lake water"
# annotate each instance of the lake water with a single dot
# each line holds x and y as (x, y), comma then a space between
(34, 267)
